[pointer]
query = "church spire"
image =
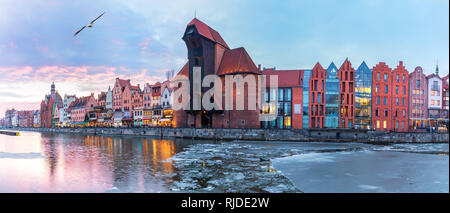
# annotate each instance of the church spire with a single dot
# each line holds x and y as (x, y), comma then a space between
(52, 88)
(437, 69)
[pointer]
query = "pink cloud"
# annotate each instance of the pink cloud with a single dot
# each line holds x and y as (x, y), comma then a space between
(12, 45)
(144, 45)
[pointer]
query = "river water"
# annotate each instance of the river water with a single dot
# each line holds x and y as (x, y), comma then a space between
(46, 162)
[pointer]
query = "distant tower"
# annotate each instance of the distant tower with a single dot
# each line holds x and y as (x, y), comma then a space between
(53, 88)
(437, 69)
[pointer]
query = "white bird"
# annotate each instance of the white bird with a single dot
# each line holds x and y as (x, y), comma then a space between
(89, 25)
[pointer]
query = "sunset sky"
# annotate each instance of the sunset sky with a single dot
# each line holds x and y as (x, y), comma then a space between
(140, 40)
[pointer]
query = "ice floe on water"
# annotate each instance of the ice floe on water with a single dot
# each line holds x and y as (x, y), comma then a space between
(228, 167)
(29, 155)
(278, 167)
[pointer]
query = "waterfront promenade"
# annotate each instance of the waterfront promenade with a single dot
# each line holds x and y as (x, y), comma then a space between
(309, 135)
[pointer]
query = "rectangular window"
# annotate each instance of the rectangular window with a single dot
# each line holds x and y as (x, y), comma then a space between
(404, 90)
(386, 89)
(398, 78)
(319, 98)
(384, 101)
(378, 124)
(378, 100)
(396, 89)
(378, 76)
(377, 88)
(288, 93)
(287, 122)
(404, 113)
(280, 94)
(386, 113)
(403, 78)
(385, 76)
(384, 124)
(396, 101)
(403, 101)
(418, 83)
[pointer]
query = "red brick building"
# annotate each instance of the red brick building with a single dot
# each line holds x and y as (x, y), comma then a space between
(117, 93)
(381, 97)
(208, 50)
(25, 118)
(418, 100)
(346, 75)
(399, 97)
(48, 106)
(445, 98)
(317, 97)
(290, 81)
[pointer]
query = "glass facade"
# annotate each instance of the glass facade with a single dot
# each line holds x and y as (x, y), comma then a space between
(283, 108)
(363, 97)
(332, 97)
(306, 77)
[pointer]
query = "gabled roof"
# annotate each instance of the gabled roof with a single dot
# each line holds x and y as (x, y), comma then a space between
(331, 67)
(207, 32)
(237, 61)
(185, 70)
(363, 66)
(286, 78)
(433, 75)
(317, 67)
(123, 83)
(346, 65)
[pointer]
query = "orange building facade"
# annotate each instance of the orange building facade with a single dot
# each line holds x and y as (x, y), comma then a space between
(346, 75)
(317, 97)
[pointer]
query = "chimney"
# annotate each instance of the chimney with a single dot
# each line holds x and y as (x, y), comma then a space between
(401, 63)
(259, 67)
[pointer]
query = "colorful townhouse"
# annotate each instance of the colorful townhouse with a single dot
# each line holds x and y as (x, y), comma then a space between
(317, 97)
(434, 100)
(418, 101)
(381, 93)
(400, 99)
(79, 109)
(445, 98)
(346, 75)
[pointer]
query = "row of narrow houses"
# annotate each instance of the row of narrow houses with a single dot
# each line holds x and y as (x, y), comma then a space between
(377, 98)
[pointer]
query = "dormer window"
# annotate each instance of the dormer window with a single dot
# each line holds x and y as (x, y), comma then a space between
(190, 31)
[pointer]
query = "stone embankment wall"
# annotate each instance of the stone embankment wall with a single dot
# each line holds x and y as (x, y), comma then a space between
(311, 135)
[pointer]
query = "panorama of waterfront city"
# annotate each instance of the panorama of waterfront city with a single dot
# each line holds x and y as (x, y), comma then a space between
(129, 110)
(45, 162)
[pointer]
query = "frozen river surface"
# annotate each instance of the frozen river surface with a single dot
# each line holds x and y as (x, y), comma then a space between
(42, 162)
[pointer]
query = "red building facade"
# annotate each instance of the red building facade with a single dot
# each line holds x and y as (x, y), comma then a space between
(208, 50)
(317, 97)
(381, 101)
(445, 97)
(399, 99)
(289, 81)
(346, 75)
(418, 100)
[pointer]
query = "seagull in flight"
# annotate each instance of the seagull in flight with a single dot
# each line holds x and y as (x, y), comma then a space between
(89, 25)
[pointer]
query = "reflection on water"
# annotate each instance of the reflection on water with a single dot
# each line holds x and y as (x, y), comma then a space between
(42, 162)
